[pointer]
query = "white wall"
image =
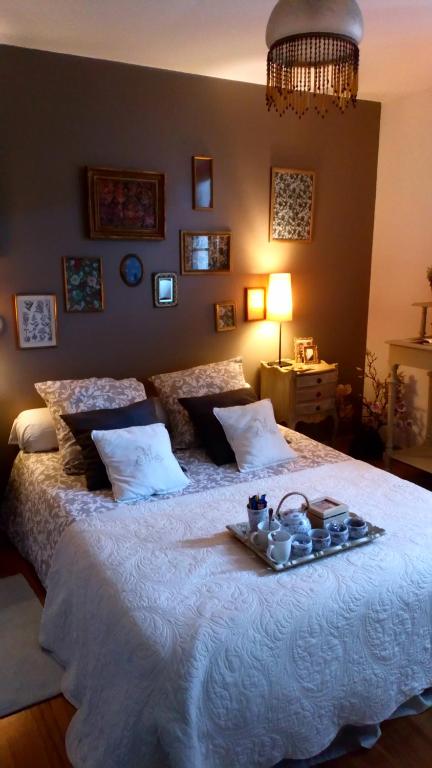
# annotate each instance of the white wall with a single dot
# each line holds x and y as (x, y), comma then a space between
(402, 247)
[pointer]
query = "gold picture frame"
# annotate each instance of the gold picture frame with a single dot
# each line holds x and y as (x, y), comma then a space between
(225, 316)
(205, 253)
(126, 205)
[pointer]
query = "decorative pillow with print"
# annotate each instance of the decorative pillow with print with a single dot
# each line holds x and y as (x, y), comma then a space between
(75, 395)
(192, 382)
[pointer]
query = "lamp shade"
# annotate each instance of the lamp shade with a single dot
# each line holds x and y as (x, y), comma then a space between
(279, 297)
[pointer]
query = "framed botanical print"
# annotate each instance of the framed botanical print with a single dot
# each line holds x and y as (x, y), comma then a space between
(205, 253)
(126, 205)
(202, 183)
(291, 208)
(36, 320)
(83, 284)
(225, 316)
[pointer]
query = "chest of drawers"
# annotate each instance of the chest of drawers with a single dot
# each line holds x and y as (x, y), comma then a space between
(307, 394)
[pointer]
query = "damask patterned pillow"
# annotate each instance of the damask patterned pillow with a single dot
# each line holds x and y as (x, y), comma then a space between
(75, 395)
(192, 382)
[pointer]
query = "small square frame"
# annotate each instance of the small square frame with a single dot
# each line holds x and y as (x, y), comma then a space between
(310, 354)
(225, 316)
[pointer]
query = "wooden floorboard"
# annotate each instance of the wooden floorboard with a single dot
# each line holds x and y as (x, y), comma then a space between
(34, 738)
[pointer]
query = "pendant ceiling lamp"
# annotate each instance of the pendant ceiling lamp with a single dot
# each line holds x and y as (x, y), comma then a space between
(313, 54)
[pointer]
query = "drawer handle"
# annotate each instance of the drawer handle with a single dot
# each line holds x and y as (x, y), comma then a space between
(319, 394)
(319, 381)
(318, 408)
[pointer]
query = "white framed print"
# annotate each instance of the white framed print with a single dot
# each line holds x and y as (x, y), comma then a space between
(36, 320)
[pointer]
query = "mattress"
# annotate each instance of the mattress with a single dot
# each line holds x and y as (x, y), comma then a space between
(181, 650)
(42, 501)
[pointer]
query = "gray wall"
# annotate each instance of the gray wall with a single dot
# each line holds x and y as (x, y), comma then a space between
(61, 113)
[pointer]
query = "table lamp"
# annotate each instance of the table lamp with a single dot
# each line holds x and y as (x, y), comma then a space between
(279, 302)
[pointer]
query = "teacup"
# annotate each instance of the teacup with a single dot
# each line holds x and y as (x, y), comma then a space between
(357, 527)
(338, 531)
(321, 539)
(279, 546)
(256, 516)
(301, 545)
(260, 536)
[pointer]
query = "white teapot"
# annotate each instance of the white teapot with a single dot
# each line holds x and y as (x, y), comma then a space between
(294, 520)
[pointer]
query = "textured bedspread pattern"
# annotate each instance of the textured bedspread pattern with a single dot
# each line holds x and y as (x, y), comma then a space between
(42, 500)
(181, 649)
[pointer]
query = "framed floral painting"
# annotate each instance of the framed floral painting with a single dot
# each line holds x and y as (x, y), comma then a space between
(126, 205)
(83, 284)
(225, 316)
(291, 209)
(36, 320)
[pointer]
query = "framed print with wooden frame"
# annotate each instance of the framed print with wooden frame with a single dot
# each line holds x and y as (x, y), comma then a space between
(300, 342)
(83, 283)
(291, 204)
(310, 354)
(126, 205)
(225, 316)
(202, 183)
(36, 320)
(165, 289)
(205, 253)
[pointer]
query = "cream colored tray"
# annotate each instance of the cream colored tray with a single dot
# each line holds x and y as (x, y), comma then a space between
(241, 532)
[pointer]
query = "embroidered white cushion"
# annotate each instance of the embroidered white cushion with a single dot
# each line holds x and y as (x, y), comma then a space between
(254, 436)
(139, 461)
(34, 431)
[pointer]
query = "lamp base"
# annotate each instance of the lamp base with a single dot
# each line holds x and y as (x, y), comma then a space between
(281, 363)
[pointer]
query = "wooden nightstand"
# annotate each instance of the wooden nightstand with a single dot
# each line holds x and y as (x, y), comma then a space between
(301, 393)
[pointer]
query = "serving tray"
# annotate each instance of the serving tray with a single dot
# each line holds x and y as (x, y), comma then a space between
(241, 532)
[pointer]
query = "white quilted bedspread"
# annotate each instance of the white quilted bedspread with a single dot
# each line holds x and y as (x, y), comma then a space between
(182, 650)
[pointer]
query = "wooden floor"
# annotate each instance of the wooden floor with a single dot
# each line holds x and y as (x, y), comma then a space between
(34, 738)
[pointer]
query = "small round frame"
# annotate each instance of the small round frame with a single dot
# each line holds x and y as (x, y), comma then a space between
(131, 270)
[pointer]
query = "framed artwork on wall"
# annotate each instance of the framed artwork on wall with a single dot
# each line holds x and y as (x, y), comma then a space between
(83, 284)
(225, 316)
(131, 270)
(165, 289)
(202, 183)
(36, 320)
(291, 206)
(126, 205)
(205, 253)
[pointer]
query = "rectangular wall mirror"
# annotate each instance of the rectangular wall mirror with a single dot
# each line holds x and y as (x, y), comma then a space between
(202, 183)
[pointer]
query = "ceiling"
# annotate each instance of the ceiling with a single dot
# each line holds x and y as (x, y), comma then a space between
(221, 38)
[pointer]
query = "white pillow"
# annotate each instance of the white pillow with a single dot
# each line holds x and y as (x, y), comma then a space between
(253, 434)
(139, 461)
(34, 431)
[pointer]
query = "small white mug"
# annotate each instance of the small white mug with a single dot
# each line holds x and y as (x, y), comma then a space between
(279, 546)
(260, 536)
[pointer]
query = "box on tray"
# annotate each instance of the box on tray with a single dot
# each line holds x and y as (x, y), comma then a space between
(325, 510)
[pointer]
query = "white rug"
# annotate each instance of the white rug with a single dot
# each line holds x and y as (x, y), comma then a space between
(27, 674)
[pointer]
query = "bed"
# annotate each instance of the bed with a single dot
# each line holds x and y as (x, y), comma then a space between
(181, 650)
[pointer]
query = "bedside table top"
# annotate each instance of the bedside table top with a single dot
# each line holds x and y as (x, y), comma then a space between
(301, 368)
